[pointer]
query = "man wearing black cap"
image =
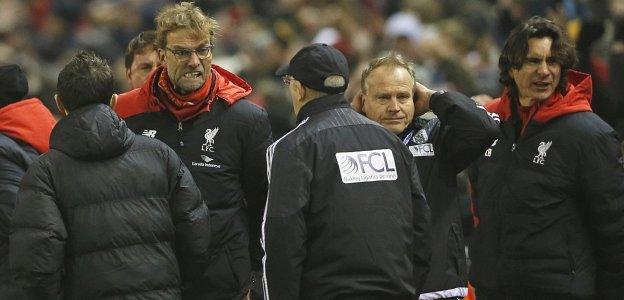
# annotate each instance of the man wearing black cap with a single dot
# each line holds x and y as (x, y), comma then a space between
(346, 217)
(25, 126)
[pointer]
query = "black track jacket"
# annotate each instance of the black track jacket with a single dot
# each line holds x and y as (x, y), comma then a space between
(224, 148)
(550, 201)
(443, 147)
(345, 216)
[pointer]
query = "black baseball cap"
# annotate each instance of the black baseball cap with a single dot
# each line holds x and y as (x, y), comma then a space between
(313, 64)
(13, 84)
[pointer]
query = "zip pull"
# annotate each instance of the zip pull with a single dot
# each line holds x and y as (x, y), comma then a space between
(513, 147)
(180, 134)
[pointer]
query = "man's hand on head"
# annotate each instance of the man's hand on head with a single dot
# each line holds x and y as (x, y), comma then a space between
(422, 96)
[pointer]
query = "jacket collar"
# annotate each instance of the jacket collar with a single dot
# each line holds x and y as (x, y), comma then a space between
(228, 87)
(322, 104)
(576, 99)
(28, 121)
(92, 132)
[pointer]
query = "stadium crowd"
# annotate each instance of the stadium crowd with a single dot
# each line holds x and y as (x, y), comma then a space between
(424, 71)
(455, 44)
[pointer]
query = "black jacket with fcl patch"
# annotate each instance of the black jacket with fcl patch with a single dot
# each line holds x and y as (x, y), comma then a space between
(549, 196)
(345, 216)
(224, 148)
(443, 147)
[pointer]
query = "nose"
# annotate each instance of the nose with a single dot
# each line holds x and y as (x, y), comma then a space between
(194, 60)
(542, 69)
(393, 105)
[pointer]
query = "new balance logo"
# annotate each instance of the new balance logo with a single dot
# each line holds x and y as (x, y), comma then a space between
(149, 133)
(363, 166)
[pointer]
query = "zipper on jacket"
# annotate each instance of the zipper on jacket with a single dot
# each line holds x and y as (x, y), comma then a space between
(181, 143)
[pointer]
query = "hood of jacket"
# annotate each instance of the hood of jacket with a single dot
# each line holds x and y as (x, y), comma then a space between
(576, 99)
(28, 121)
(228, 88)
(93, 132)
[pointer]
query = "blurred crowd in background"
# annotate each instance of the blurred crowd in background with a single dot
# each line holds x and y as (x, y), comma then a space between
(455, 44)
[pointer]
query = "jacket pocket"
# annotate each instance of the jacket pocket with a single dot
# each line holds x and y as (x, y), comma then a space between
(220, 274)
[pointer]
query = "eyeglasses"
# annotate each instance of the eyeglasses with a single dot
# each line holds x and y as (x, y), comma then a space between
(184, 54)
(287, 79)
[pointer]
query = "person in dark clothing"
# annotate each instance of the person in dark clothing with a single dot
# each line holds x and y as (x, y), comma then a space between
(105, 213)
(25, 126)
(346, 217)
(442, 144)
(548, 192)
(199, 109)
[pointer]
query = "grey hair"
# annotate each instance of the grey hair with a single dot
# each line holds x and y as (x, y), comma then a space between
(390, 59)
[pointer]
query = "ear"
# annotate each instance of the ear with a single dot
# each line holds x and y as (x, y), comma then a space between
(113, 101)
(362, 103)
(60, 105)
(161, 56)
(512, 73)
(301, 91)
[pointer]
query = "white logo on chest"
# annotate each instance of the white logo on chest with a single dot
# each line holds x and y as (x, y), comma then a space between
(363, 166)
(209, 136)
(540, 158)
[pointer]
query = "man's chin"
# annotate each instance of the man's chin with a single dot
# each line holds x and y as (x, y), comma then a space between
(187, 88)
(395, 128)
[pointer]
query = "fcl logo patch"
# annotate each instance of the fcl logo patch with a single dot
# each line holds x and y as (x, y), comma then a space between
(364, 166)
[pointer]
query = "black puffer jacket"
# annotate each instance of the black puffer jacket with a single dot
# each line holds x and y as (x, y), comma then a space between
(15, 157)
(25, 128)
(105, 214)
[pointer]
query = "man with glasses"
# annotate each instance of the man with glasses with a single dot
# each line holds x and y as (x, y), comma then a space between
(346, 217)
(199, 110)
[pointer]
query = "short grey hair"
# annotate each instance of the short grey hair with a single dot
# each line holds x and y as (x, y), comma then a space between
(390, 59)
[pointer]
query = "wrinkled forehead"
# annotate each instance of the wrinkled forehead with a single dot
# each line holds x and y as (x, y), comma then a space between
(188, 37)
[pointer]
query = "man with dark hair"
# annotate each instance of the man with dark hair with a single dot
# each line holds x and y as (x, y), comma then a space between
(199, 109)
(141, 58)
(443, 145)
(548, 192)
(345, 215)
(105, 213)
(25, 126)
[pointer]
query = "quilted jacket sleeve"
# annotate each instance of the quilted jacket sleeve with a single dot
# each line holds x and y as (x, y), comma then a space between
(38, 236)
(467, 129)
(191, 221)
